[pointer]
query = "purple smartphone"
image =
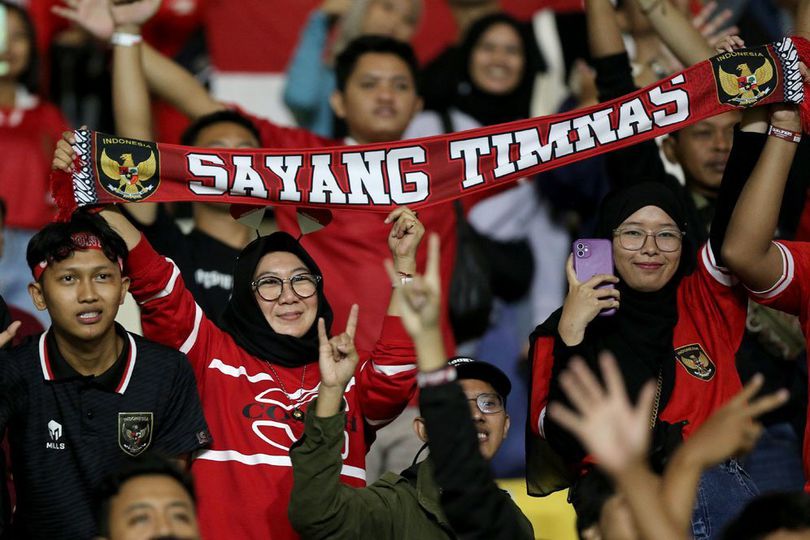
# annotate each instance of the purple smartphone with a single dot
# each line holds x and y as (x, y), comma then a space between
(593, 256)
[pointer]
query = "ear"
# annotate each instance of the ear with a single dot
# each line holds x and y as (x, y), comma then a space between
(336, 101)
(125, 281)
(418, 106)
(506, 425)
(668, 145)
(420, 429)
(37, 295)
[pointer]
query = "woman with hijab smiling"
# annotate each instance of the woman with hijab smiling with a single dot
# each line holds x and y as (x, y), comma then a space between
(257, 371)
(678, 321)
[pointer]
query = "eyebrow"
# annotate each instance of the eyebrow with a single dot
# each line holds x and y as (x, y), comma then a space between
(276, 274)
(81, 269)
(659, 224)
(147, 506)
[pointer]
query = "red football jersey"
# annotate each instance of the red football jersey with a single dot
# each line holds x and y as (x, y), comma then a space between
(244, 479)
(711, 323)
(791, 294)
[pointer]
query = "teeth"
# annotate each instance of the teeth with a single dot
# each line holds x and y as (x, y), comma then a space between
(482, 436)
(89, 315)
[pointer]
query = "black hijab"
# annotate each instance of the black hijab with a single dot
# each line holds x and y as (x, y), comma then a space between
(490, 109)
(640, 333)
(244, 321)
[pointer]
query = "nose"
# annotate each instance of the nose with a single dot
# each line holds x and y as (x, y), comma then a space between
(87, 291)
(163, 527)
(649, 247)
(287, 295)
(722, 140)
(385, 92)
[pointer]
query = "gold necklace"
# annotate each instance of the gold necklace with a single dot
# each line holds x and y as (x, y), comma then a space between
(297, 413)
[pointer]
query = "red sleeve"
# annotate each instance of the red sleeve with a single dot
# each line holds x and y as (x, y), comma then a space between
(168, 311)
(387, 381)
(275, 136)
(789, 293)
(542, 361)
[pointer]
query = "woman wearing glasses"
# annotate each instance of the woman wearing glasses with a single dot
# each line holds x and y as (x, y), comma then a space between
(679, 319)
(257, 369)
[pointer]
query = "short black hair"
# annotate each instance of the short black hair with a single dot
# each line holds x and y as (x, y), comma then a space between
(770, 513)
(192, 132)
(347, 60)
(144, 465)
(30, 75)
(55, 242)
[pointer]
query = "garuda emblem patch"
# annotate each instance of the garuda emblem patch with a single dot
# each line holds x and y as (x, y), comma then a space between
(744, 77)
(695, 360)
(135, 431)
(127, 168)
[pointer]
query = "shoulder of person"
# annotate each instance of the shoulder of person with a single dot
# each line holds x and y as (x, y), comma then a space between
(151, 351)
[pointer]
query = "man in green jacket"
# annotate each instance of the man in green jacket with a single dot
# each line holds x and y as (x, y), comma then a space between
(449, 495)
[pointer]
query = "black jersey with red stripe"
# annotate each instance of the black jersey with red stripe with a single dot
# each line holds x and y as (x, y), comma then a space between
(68, 431)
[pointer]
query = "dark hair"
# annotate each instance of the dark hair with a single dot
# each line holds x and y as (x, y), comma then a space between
(55, 242)
(30, 75)
(192, 132)
(769, 513)
(347, 60)
(145, 465)
(3, 211)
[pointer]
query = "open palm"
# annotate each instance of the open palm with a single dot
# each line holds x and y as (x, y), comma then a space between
(100, 17)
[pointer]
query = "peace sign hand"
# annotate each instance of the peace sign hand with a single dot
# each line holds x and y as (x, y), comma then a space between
(338, 357)
(420, 298)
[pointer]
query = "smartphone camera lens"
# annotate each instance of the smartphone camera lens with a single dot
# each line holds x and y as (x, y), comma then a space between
(580, 246)
(580, 253)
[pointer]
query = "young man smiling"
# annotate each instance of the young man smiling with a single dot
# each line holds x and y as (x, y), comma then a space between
(85, 396)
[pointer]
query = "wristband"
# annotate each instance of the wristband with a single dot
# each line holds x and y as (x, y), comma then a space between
(125, 39)
(435, 378)
(779, 133)
(404, 278)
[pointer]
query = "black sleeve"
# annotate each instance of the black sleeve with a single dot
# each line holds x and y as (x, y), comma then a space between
(744, 155)
(183, 428)
(474, 504)
(165, 236)
(641, 161)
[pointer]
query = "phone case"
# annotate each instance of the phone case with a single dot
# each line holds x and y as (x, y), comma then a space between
(593, 256)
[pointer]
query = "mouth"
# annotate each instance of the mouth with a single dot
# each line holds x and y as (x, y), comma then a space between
(385, 112)
(89, 317)
(290, 316)
(651, 266)
(498, 72)
(717, 166)
(483, 436)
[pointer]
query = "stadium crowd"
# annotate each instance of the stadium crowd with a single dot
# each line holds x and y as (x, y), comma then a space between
(630, 326)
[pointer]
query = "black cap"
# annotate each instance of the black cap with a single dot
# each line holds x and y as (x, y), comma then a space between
(470, 368)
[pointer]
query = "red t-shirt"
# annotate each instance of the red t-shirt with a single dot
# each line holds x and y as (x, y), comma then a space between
(351, 249)
(28, 135)
(791, 294)
(711, 323)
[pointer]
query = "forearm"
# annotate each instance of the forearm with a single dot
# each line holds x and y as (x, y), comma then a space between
(676, 31)
(747, 247)
(133, 117)
(430, 353)
(176, 85)
(604, 34)
(679, 486)
(404, 267)
(641, 489)
(303, 86)
(329, 401)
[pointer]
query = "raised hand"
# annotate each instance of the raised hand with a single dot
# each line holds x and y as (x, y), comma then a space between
(420, 298)
(729, 44)
(63, 154)
(404, 238)
(8, 334)
(732, 430)
(338, 357)
(711, 23)
(101, 17)
(584, 302)
(612, 430)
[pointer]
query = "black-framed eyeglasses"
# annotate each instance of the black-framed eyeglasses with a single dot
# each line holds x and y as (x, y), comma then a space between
(488, 403)
(633, 238)
(271, 287)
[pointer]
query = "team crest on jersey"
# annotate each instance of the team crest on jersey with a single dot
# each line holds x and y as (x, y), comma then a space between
(127, 168)
(135, 431)
(695, 360)
(744, 77)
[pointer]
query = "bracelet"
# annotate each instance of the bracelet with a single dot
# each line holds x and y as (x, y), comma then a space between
(785, 134)
(435, 378)
(125, 39)
(404, 278)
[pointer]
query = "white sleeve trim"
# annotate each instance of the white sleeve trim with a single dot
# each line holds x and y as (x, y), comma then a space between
(392, 370)
(784, 281)
(541, 423)
(192, 337)
(719, 273)
(167, 290)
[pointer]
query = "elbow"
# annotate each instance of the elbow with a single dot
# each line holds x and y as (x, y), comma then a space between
(734, 254)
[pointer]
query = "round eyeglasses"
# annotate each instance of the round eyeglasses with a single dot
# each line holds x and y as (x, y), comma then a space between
(302, 285)
(488, 403)
(633, 238)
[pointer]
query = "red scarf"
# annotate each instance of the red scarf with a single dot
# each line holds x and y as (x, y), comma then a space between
(431, 170)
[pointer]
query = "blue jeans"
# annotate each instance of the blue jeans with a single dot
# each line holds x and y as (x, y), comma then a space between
(723, 492)
(775, 464)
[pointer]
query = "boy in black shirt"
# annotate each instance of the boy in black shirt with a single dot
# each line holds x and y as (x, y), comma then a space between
(86, 396)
